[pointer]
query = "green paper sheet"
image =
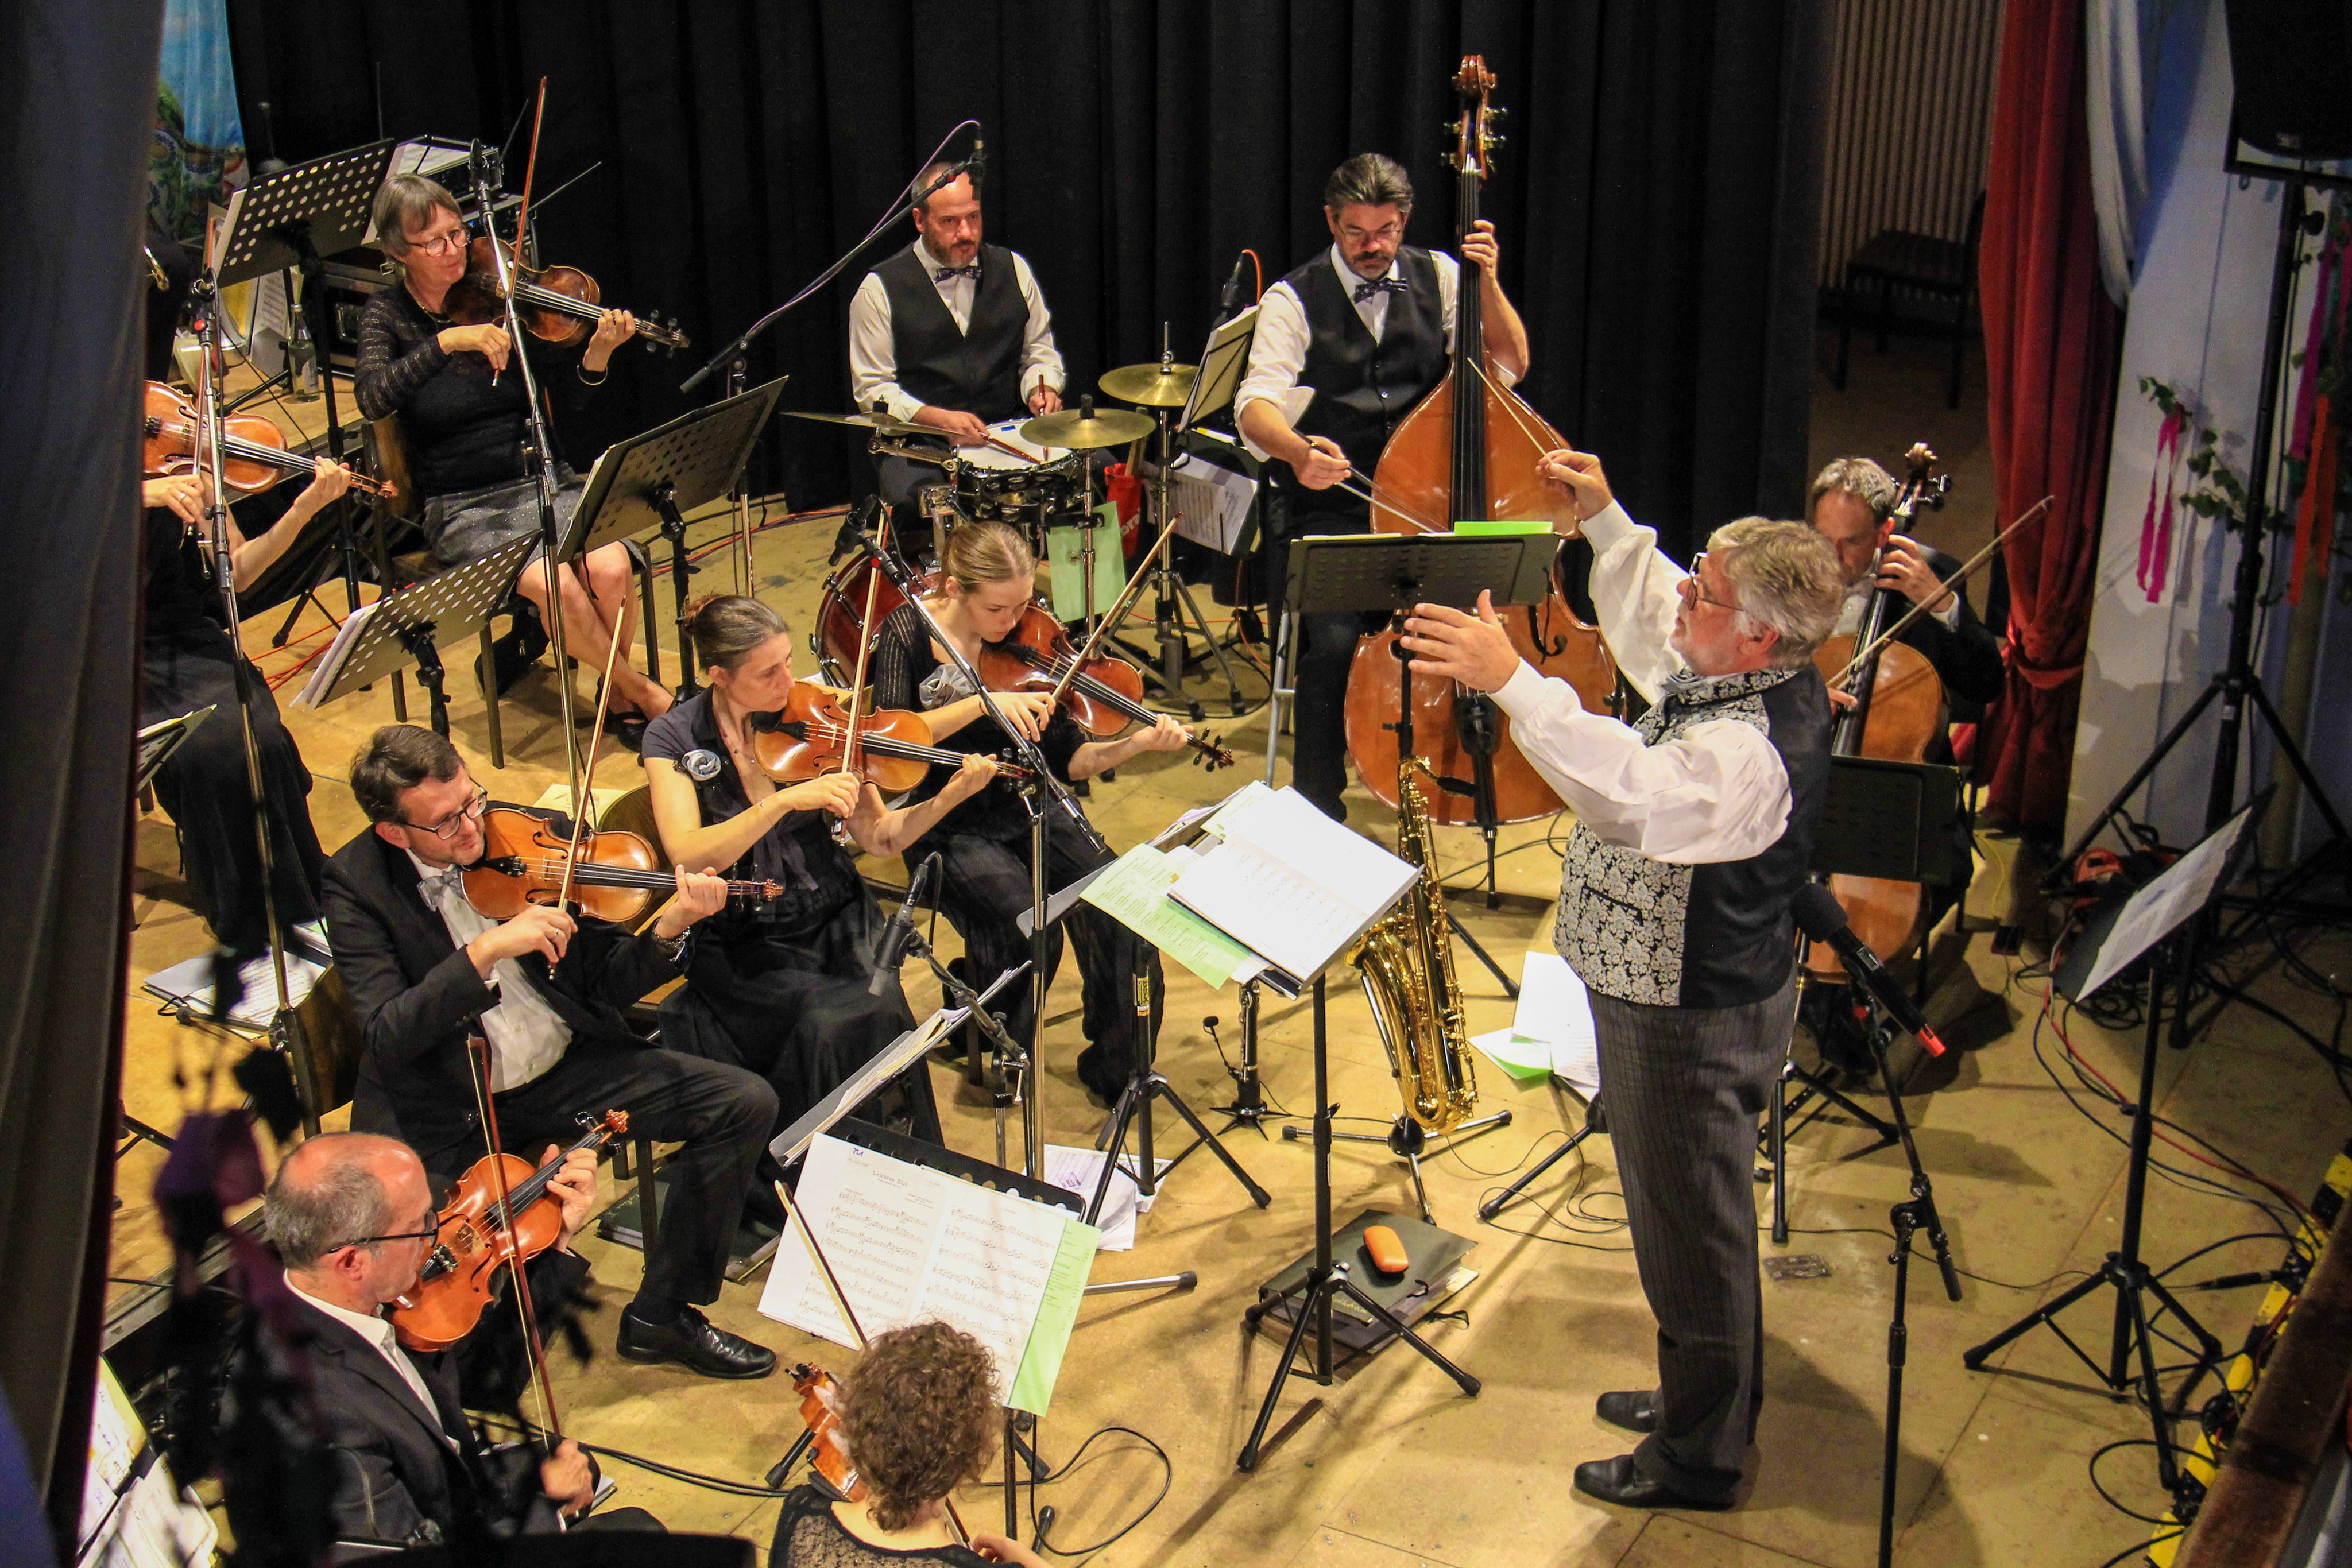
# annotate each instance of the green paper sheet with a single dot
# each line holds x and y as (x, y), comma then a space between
(1500, 527)
(1057, 1313)
(1525, 1060)
(1110, 566)
(1134, 892)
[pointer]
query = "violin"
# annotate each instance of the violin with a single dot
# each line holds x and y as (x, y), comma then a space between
(614, 877)
(479, 1233)
(1104, 696)
(829, 1450)
(555, 304)
(253, 447)
(806, 738)
(1899, 708)
(1469, 451)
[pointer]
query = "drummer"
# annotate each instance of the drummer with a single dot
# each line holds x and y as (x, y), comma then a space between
(951, 333)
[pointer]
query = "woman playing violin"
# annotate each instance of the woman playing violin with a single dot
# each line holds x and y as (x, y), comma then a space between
(188, 663)
(465, 422)
(787, 979)
(988, 580)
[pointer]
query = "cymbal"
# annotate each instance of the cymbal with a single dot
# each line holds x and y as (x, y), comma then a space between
(1153, 386)
(881, 422)
(1081, 429)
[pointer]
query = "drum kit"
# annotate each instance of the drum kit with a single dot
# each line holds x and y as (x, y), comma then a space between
(1030, 475)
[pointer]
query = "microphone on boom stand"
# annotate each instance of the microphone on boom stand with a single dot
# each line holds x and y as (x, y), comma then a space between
(1233, 290)
(900, 932)
(1822, 917)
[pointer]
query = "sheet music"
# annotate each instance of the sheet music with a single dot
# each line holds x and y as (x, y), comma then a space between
(910, 1245)
(331, 663)
(1290, 883)
(2163, 904)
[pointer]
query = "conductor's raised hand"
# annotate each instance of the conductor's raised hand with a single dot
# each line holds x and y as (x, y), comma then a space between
(1579, 474)
(1472, 649)
(1323, 465)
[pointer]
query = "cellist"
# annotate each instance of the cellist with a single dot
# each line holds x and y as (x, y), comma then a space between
(1366, 329)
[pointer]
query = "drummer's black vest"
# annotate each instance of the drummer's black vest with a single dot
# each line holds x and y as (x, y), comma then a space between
(1363, 389)
(976, 371)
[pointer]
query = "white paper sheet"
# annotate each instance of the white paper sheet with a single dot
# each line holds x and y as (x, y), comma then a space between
(2163, 903)
(1555, 1007)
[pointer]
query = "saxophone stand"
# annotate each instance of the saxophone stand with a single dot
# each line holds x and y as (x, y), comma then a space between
(1326, 1277)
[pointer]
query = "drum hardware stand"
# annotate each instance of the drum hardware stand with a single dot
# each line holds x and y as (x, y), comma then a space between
(1325, 1276)
(1249, 1105)
(681, 567)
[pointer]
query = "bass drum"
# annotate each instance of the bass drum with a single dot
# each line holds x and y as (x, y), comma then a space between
(840, 630)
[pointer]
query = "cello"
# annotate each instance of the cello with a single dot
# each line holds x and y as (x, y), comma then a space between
(1898, 709)
(1467, 452)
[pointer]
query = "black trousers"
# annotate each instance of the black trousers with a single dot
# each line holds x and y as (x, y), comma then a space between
(1325, 653)
(205, 787)
(1684, 1086)
(720, 1113)
(796, 1011)
(984, 889)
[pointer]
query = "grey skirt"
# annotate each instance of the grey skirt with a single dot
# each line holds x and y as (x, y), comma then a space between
(467, 524)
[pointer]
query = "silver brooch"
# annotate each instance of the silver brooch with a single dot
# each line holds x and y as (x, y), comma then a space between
(701, 765)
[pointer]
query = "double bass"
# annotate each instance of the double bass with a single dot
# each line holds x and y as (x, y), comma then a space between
(1898, 709)
(1469, 451)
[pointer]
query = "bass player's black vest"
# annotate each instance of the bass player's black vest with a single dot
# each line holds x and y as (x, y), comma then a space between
(976, 371)
(1363, 389)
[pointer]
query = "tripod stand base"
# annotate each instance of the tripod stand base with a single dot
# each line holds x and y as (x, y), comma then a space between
(1134, 1110)
(1409, 1141)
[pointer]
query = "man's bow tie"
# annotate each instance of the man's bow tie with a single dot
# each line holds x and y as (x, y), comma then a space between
(440, 885)
(941, 274)
(1379, 285)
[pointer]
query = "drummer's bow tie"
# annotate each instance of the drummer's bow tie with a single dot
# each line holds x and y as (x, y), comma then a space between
(1379, 285)
(941, 274)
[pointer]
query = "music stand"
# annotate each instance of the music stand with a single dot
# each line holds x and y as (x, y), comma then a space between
(292, 218)
(411, 626)
(157, 741)
(653, 480)
(2150, 923)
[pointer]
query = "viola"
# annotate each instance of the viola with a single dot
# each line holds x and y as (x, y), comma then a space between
(1103, 696)
(555, 304)
(1899, 708)
(806, 738)
(479, 1233)
(820, 1414)
(1469, 451)
(614, 877)
(252, 446)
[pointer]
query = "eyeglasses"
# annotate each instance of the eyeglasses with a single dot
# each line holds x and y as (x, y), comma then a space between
(443, 244)
(432, 1235)
(446, 827)
(1384, 234)
(1690, 585)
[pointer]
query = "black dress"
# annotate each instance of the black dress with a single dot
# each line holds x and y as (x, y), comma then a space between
(188, 663)
(787, 979)
(984, 849)
(809, 1535)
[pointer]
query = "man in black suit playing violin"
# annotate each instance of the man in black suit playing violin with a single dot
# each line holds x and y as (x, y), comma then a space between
(1361, 332)
(424, 971)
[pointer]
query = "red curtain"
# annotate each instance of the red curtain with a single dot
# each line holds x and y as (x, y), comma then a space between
(2052, 341)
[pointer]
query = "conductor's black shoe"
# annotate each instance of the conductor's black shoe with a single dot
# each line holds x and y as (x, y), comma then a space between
(1616, 1481)
(1635, 1410)
(695, 1343)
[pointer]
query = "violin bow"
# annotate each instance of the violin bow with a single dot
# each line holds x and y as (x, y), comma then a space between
(478, 1057)
(530, 169)
(1110, 618)
(857, 687)
(856, 1330)
(1949, 583)
(580, 807)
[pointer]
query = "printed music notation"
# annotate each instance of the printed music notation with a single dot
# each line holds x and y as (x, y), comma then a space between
(910, 1245)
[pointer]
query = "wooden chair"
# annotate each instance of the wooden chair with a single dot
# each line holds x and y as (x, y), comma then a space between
(390, 451)
(1922, 264)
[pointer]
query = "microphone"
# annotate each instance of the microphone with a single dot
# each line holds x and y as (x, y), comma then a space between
(900, 932)
(1232, 289)
(1822, 917)
(975, 165)
(892, 567)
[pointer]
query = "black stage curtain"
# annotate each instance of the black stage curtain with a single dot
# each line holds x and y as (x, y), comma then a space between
(1657, 198)
(79, 78)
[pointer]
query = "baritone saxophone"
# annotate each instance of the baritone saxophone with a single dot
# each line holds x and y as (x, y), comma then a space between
(1407, 961)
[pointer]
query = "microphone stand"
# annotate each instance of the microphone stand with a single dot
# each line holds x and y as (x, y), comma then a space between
(538, 462)
(1043, 793)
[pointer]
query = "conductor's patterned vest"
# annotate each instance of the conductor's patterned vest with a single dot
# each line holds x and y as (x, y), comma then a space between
(1714, 935)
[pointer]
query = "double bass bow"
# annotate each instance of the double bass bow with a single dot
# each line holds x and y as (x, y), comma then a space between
(1469, 452)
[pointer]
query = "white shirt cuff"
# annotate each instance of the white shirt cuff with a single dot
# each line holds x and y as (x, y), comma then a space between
(1607, 526)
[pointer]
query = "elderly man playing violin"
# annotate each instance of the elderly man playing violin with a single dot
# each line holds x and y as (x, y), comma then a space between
(352, 1218)
(1694, 829)
(425, 969)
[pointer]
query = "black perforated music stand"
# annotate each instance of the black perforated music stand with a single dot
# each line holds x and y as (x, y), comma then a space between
(652, 481)
(410, 627)
(159, 740)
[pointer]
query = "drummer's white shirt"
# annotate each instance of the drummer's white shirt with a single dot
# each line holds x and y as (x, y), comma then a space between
(1278, 351)
(874, 356)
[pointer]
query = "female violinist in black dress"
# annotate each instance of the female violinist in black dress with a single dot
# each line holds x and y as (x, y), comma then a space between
(464, 420)
(787, 979)
(988, 579)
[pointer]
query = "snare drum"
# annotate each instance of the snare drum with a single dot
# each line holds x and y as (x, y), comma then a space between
(993, 486)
